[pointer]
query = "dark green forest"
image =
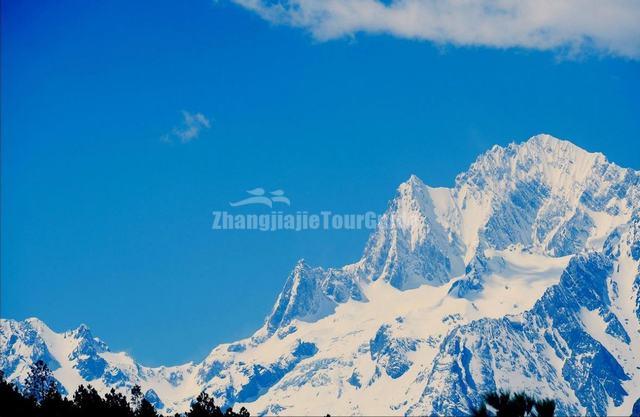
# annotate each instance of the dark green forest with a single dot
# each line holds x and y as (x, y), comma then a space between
(40, 397)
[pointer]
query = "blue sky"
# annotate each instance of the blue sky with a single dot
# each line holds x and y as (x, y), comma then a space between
(106, 208)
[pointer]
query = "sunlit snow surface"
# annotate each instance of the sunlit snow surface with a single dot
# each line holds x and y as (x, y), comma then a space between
(525, 275)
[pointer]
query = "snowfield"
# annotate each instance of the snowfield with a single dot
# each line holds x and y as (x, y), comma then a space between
(523, 276)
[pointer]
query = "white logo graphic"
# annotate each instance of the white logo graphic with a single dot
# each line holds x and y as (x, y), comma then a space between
(258, 196)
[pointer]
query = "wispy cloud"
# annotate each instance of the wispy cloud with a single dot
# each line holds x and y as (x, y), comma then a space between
(609, 27)
(189, 129)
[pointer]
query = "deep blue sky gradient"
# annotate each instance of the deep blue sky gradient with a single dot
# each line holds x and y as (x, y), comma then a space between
(103, 223)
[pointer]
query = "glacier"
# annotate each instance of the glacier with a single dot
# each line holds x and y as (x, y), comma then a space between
(525, 275)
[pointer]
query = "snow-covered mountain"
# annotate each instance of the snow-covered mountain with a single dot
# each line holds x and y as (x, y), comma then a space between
(525, 276)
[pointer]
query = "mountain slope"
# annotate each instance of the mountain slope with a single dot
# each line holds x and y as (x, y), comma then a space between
(524, 275)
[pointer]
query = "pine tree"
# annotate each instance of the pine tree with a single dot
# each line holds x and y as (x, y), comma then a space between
(146, 409)
(204, 406)
(88, 402)
(136, 397)
(545, 408)
(54, 405)
(480, 412)
(519, 404)
(38, 381)
(116, 404)
(12, 402)
(142, 406)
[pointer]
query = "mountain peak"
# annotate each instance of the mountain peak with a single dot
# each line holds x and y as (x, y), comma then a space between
(37, 324)
(413, 181)
(555, 148)
(34, 321)
(412, 185)
(555, 164)
(300, 265)
(546, 138)
(550, 140)
(83, 331)
(541, 144)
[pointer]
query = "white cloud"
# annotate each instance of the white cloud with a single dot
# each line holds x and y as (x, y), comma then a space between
(190, 128)
(610, 27)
